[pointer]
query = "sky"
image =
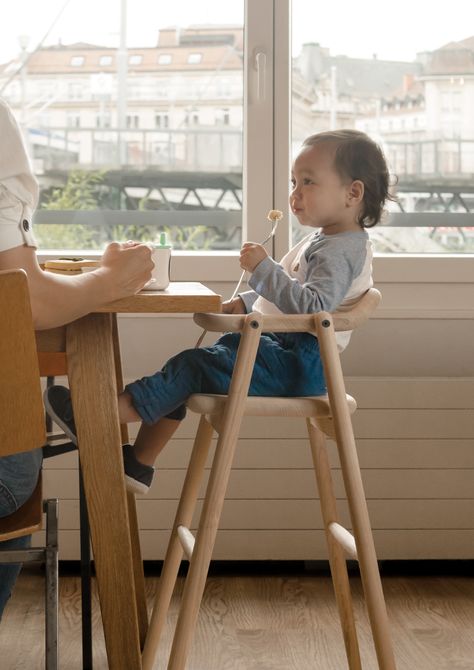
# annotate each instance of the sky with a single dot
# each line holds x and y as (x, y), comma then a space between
(357, 28)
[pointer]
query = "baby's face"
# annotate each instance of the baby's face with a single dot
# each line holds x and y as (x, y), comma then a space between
(319, 194)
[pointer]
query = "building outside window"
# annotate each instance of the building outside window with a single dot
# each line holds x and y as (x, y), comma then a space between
(103, 120)
(73, 120)
(162, 120)
(222, 117)
(75, 91)
(133, 120)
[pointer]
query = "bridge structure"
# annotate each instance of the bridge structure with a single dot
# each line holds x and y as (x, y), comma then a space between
(434, 185)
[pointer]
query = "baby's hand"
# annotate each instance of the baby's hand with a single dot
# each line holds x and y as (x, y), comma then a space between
(235, 306)
(251, 255)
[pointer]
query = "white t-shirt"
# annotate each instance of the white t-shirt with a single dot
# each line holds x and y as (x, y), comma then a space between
(18, 186)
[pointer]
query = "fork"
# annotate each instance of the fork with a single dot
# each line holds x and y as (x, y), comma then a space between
(236, 290)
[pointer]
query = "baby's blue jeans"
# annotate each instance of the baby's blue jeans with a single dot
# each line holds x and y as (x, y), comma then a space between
(18, 477)
(287, 364)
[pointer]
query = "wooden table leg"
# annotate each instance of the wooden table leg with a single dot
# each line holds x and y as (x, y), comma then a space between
(132, 509)
(91, 371)
(139, 575)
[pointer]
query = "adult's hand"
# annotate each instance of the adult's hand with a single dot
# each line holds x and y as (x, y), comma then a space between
(127, 266)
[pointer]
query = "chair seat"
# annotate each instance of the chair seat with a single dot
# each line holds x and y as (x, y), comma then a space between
(26, 520)
(317, 406)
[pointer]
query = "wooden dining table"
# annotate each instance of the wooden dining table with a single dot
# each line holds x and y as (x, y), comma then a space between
(87, 350)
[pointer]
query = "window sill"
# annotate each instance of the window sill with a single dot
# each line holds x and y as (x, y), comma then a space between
(217, 266)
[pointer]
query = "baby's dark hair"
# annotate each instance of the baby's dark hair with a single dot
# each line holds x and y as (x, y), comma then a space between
(359, 157)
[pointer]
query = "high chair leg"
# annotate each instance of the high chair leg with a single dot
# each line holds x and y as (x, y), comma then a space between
(355, 494)
(202, 553)
(337, 559)
(368, 565)
(174, 552)
(215, 493)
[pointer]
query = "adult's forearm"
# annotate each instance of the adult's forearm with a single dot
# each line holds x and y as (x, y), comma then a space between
(56, 300)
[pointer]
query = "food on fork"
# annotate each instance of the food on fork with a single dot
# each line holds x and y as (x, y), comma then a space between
(274, 215)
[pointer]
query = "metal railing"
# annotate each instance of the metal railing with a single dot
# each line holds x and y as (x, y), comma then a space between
(190, 149)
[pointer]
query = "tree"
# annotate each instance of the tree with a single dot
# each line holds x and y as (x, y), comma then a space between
(81, 192)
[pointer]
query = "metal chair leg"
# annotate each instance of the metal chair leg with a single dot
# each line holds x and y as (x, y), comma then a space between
(51, 450)
(86, 576)
(51, 609)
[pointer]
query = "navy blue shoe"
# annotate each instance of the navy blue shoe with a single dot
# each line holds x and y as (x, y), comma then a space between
(57, 402)
(138, 477)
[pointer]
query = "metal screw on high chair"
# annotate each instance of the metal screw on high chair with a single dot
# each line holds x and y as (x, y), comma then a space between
(326, 416)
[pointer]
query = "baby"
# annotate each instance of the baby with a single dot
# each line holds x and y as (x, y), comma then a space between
(340, 183)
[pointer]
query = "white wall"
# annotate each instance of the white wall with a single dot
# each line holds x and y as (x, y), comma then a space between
(411, 370)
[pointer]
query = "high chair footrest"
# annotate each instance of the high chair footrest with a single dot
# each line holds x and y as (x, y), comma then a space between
(187, 540)
(344, 538)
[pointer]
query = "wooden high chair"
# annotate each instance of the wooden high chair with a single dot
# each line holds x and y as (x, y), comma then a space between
(22, 429)
(325, 416)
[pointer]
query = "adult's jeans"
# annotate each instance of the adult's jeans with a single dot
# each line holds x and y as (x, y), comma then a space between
(18, 478)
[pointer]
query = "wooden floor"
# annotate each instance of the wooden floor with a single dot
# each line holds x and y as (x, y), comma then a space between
(252, 622)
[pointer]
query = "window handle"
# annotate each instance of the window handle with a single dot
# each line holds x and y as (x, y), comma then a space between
(261, 67)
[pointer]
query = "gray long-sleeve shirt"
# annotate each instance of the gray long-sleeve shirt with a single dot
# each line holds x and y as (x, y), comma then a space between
(321, 273)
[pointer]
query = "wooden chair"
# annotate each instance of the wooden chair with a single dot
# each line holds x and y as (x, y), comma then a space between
(325, 416)
(22, 429)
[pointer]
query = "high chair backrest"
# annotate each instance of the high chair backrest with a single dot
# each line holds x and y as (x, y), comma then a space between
(21, 409)
(355, 314)
(348, 318)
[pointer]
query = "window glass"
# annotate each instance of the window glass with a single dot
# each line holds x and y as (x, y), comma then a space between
(410, 86)
(73, 120)
(105, 60)
(77, 61)
(194, 58)
(138, 137)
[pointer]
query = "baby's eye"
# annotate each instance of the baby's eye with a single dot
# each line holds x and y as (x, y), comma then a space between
(307, 181)
(292, 183)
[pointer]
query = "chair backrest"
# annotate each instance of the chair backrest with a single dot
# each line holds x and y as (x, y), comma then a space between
(21, 409)
(354, 315)
(347, 318)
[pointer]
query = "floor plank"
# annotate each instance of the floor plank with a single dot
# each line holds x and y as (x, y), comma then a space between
(265, 622)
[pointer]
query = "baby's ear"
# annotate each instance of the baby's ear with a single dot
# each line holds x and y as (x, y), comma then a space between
(355, 193)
